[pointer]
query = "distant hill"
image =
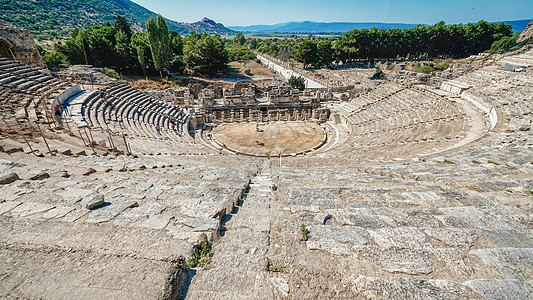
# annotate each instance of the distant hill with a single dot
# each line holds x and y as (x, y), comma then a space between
(57, 18)
(312, 27)
(309, 26)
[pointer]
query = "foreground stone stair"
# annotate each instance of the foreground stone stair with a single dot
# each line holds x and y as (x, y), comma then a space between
(240, 262)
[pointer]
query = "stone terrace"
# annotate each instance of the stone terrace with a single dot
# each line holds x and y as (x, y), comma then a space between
(130, 219)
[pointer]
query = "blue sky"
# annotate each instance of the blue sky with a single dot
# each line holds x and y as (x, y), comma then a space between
(252, 12)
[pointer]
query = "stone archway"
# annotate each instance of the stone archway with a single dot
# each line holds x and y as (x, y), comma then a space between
(5, 49)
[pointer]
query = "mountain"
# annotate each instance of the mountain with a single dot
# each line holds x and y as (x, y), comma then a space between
(57, 18)
(209, 26)
(311, 27)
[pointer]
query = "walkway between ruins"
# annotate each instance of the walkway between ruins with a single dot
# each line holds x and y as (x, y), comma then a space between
(287, 73)
(239, 267)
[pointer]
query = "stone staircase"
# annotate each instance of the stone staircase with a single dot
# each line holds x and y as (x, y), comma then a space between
(239, 268)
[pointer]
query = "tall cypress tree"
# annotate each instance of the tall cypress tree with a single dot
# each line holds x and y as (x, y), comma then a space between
(159, 41)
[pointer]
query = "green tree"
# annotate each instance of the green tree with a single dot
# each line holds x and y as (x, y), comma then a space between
(124, 51)
(121, 24)
(176, 43)
(307, 53)
(139, 41)
(239, 39)
(159, 42)
(53, 59)
(297, 82)
(237, 52)
(205, 55)
(325, 53)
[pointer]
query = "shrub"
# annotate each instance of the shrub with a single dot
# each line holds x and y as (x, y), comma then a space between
(379, 75)
(201, 257)
(504, 42)
(297, 82)
(425, 69)
(111, 73)
(53, 60)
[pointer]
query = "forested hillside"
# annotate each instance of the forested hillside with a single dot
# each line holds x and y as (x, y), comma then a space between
(57, 18)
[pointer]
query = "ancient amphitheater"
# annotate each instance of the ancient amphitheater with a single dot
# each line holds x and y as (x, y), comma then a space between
(407, 191)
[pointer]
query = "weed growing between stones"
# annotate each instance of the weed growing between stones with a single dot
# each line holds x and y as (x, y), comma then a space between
(277, 268)
(528, 191)
(447, 189)
(305, 232)
(201, 257)
(339, 191)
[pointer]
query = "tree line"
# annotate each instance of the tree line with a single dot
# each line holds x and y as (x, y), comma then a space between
(157, 50)
(433, 41)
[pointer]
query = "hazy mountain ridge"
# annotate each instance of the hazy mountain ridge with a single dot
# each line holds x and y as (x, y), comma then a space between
(310, 26)
(58, 18)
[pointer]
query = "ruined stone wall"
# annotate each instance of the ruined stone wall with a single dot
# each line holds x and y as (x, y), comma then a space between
(527, 33)
(18, 44)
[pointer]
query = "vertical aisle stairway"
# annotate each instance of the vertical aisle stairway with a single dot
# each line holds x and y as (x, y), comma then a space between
(239, 267)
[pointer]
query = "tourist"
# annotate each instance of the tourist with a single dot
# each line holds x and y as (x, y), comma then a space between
(57, 111)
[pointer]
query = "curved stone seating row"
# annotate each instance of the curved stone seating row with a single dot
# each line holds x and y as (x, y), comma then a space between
(127, 110)
(24, 85)
(402, 115)
(509, 92)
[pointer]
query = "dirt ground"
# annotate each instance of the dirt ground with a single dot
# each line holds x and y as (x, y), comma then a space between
(237, 68)
(271, 138)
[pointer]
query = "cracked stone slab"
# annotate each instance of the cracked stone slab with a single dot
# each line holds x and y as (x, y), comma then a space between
(75, 215)
(411, 288)
(58, 212)
(30, 208)
(198, 224)
(332, 247)
(513, 263)
(107, 213)
(403, 237)
(461, 210)
(420, 197)
(136, 213)
(153, 193)
(500, 289)
(353, 235)
(366, 221)
(477, 221)
(453, 259)
(463, 238)
(157, 221)
(414, 262)
(13, 191)
(74, 195)
(8, 205)
(509, 238)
